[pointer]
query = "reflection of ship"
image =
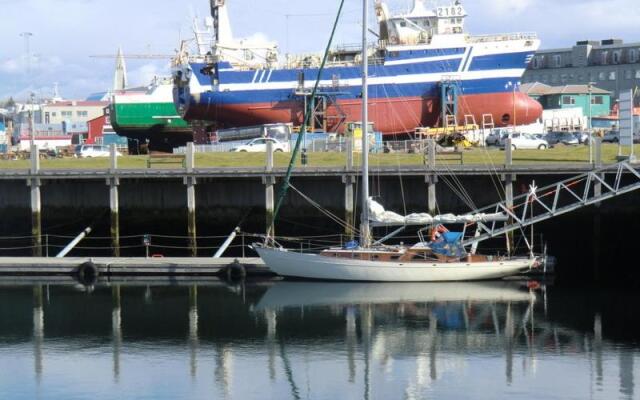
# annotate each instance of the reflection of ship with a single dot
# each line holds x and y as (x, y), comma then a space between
(286, 294)
(422, 60)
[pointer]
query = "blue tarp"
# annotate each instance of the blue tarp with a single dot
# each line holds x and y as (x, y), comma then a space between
(452, 237)
(448, 245)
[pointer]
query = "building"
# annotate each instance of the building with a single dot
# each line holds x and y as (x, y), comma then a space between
(609, 64)
(56, 123)
(101, 132)
(570, 96)
(71, 111)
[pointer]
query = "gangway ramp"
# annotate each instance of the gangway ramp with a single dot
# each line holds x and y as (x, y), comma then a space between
(539, 205)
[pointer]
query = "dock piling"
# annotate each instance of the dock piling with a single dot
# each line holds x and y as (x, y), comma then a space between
(597, 185)
(508, 179)
(36, 203)
(431, 179)
(190, 182)
(114, 204)
(349, 181)
(269, 182)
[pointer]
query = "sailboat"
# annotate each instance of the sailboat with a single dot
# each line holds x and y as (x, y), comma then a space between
(442, 258)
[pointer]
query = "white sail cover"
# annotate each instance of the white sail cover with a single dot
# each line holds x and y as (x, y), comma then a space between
(377, 214)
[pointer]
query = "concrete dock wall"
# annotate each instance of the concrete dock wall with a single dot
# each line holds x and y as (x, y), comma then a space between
(159, 206)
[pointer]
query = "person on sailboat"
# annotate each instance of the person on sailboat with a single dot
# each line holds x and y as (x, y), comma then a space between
(436, 233)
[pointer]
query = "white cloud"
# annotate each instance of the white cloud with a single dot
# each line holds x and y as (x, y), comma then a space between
(511, 7)
(10, 66)
(143, 75)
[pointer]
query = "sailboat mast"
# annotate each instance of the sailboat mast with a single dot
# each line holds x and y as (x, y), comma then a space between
(365, 237)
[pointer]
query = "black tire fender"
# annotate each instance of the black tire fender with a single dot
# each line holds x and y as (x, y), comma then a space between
(87, 273)
(236, 271)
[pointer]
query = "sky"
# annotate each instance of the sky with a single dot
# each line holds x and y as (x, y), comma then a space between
(67, 32)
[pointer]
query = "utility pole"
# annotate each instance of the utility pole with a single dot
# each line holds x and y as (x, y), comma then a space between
(590, 130)
(27, 36)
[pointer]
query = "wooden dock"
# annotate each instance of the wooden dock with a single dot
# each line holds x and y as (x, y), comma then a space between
(110, 266)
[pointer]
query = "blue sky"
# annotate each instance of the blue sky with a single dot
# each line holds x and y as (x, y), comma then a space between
(67, 32)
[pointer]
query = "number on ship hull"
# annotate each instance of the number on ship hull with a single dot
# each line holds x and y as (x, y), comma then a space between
(456, 11)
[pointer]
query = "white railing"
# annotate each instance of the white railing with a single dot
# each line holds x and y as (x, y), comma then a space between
(337, 145)
(502, 37)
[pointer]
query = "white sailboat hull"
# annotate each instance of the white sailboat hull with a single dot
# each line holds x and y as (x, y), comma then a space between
(312, 266)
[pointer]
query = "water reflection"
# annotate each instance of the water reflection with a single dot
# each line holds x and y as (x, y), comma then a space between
(312, 340)
(38, 330)
(116, 327)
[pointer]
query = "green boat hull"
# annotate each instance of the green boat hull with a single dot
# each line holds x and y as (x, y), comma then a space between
(152, 126)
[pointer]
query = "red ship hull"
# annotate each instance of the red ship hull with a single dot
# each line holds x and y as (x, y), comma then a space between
(390, 116)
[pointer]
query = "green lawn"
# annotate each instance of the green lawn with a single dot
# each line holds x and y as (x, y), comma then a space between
(558, 155)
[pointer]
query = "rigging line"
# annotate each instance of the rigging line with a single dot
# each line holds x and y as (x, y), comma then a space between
(307, 117)
(323, 210)
(462, 190)
(457, 192)
(462, 193)
(497, 183)
(397, 157)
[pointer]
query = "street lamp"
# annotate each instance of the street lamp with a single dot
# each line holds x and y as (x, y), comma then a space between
(27, 36)
(31, 118)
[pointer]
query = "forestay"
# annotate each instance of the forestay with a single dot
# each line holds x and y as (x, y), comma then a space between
(379, 216)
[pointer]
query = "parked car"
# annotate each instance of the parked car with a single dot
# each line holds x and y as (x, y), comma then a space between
(525, 141)
(583, 137)
(567, 138)
(611, 137)
(260, 145)
(493, 139)
(93, 150)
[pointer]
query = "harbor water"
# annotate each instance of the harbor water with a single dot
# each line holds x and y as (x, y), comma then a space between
(306, 340)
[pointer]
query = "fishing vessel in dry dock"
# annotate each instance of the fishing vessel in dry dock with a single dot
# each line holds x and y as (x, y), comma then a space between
(420, 58)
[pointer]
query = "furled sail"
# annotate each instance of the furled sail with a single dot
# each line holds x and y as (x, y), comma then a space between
(378, 215)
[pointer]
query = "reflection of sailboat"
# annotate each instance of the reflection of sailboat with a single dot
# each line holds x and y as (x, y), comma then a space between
(443, 258)
(291, 294)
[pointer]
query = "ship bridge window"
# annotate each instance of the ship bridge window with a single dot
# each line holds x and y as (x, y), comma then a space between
(613, 75)
(536, 63)
(628, 74)
(633, 56)
(616, 57)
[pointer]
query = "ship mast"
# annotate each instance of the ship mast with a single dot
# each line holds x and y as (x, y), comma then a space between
(365, 234)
